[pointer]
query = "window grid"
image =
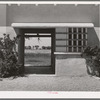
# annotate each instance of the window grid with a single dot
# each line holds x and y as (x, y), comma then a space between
(76, 39)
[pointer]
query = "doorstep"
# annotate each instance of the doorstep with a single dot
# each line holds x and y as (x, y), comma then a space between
(41, 75)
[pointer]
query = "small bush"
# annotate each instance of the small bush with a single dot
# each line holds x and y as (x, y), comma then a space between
(92, 56)
(8, 61)
(90, 51)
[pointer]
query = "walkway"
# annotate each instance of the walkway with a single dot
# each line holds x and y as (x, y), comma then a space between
(71, 76)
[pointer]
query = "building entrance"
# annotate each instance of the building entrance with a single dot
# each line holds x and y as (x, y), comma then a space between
(39, 48)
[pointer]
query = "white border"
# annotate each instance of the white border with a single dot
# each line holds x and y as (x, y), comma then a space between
(49, 94)
(50, 2)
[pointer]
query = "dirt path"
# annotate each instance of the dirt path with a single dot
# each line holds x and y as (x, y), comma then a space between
(71, 76)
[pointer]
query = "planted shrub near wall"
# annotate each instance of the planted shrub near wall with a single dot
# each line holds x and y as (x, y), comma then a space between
(8, 59)
(92, 57)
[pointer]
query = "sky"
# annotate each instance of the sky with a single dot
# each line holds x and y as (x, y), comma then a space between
(34, 41)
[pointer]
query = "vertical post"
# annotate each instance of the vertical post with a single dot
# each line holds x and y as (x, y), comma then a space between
(77, 40)
(53, 50)
(86, 36)
(66, 39)
(21, 50)
(72, 39)
(82, 40)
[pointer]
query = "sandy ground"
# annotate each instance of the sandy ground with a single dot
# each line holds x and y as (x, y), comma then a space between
(70, 76)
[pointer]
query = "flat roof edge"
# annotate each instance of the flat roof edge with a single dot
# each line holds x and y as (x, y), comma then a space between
(53, 25)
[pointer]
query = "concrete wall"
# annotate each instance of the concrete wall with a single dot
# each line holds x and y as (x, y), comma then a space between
(93, 37)
(2, 20)
(51, 13)
(59, 13)
(2, 15)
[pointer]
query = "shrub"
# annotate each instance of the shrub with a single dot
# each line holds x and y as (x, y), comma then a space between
(8, 61)
(90, 51)
(92, 56)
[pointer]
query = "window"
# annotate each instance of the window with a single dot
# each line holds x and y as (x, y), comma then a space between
(73, 40)
(76, 39)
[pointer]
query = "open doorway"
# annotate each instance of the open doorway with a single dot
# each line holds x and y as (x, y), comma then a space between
(39, 53)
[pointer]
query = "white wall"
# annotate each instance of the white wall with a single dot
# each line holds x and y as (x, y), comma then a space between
(51, 13)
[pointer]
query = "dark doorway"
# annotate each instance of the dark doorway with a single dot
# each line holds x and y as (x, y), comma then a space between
(39, 47)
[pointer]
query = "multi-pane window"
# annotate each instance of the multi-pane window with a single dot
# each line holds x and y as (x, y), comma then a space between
(71, 40)
(76, 39)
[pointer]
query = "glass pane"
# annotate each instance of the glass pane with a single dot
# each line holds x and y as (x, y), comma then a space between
(37, 51)
(31, 34)
(79, 36)
(70, 42)
(74, 43)
(84, 36)
(74, 49)
(44, 34)
(74, 30)
(79, 30)
(70, 30)
(74, 36)
(70, 36)
(70, 49)
(84, 30)
(79, 43)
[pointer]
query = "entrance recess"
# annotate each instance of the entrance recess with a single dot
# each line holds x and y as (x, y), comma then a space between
(22, 29)
(38, 58)
(39, 51)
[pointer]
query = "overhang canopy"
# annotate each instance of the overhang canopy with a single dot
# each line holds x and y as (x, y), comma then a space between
(51, 25)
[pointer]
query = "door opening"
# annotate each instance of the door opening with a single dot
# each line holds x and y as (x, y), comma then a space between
(39, 53)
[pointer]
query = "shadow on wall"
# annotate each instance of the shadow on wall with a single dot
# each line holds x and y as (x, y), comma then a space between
(93, 39)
